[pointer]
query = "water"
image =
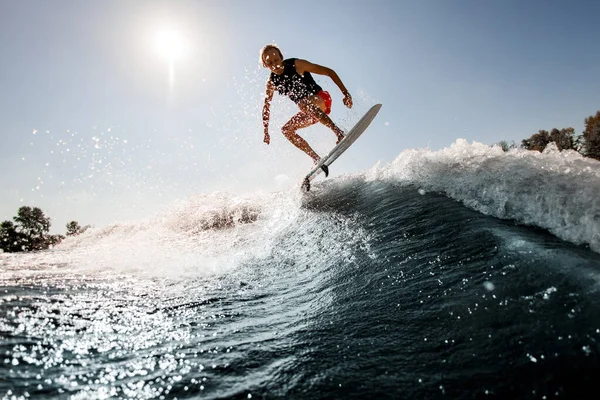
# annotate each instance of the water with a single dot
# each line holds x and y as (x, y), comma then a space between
(463, 273)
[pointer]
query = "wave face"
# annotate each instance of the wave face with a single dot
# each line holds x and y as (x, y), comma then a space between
(463, 273)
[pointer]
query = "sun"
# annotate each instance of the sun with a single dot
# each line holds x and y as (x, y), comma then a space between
(171, 45)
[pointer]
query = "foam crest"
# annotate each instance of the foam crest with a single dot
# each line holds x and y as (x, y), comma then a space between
(557, 191)
(205, 234)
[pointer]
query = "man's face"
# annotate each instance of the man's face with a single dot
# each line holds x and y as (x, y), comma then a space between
(273, 60)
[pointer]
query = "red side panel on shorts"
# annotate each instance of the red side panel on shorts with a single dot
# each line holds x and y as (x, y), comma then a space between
(327, 98)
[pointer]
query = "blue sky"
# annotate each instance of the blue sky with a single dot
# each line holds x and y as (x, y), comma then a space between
(94, 128)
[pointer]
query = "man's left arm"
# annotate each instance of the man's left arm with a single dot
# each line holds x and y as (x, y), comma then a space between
(303, 66)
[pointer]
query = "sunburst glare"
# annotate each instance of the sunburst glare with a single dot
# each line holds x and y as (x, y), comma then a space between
(172, 46)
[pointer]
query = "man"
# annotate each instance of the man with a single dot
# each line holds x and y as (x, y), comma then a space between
(292, 78)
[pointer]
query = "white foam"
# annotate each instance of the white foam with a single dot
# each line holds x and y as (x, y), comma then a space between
(205, 234)
(558, 191)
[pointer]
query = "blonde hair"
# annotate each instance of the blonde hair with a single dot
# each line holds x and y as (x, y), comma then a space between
(266, 48)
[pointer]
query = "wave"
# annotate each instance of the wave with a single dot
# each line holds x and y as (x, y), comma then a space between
(212, 233)
(555, 190)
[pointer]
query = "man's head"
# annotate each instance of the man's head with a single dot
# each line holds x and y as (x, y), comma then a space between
(271, 57)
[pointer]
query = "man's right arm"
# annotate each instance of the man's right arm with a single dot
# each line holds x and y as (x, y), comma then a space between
(267, 109)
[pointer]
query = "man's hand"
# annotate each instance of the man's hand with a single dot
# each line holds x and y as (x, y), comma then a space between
(348, 100)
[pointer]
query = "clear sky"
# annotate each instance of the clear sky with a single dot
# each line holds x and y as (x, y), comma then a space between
(97, 125)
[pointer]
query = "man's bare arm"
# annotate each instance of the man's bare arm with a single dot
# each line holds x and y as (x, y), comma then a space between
(267, 109)
(303, 66)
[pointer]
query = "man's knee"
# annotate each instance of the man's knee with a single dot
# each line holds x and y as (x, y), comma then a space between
(288, 131)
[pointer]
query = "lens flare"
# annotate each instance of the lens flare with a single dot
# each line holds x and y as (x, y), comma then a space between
(171, 45)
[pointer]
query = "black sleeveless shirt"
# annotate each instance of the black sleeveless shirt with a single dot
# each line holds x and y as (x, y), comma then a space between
(292, 84)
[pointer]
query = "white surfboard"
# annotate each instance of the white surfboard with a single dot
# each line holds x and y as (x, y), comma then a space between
(342, 146)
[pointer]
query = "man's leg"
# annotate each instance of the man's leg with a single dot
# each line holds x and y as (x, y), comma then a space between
(314, 105)
(299, 121)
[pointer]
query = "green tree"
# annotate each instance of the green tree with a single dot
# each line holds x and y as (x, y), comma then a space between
(29, 232)
(53, 240)
(591, 135)
(34, 225)
(579, 143)
(505, 146)
(564, 139)
(74, 229)
(537, 141)
(10, 239)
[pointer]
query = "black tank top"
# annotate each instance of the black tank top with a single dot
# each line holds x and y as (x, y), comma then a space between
(292, 84)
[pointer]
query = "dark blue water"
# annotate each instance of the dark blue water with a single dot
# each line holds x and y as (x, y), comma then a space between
(371, 286)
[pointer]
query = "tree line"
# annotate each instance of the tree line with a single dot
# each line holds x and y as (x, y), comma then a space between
(587, 144)
(30, 231)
